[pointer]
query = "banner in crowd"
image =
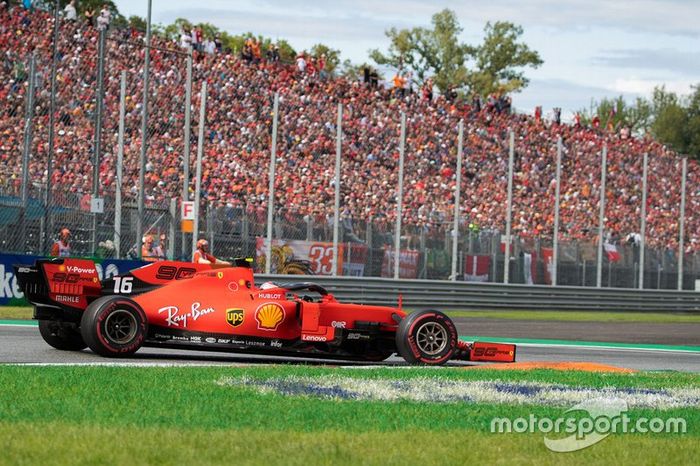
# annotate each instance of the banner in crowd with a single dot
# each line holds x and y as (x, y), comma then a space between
(312, 257)
(408, 263)
(548, 258)
(476, 268)
(10, 294)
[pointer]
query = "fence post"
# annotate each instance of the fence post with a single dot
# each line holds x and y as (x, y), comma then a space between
(458, 196)
(557, 201)
(643, 221)
(144, 135)
(52, 110)
(28, 138)
(120, 162)
(271, 188)
(28, 130)
(98, 131)
(601, 218)
(681, 237)
(509, 207)
(186, 144)
(336, 206)
(399, 199)
(200, 150)
(170, 254)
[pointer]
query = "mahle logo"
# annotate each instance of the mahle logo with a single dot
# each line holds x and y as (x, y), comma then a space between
(235, 317)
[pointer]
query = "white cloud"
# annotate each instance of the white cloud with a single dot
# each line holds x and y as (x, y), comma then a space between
(635, 85)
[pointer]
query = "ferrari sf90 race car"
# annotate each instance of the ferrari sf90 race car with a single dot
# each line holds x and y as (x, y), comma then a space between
(203, 307)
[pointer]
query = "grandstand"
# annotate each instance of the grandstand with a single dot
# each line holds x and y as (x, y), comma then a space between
(235, 172)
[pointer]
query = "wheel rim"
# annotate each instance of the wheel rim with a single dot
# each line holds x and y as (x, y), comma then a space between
(431, 338)
(121, 327)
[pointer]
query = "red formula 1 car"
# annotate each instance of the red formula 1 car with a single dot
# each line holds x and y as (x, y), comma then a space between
(195, 306)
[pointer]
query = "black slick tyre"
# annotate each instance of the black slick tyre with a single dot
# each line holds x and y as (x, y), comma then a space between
(426, 337)
(114, 326)
(61, 336)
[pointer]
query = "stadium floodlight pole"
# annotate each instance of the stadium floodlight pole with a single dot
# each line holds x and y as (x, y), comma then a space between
(557, 200)
(200, 152)
(601, 218)
(98, 130)
(643, 220)
(681, 226)
(509, 207)
(458, 197)
(271, 188)
(336, 207)
(120, 163)
(144, 135)
(186, 142)
(399, 199)
(52, 111)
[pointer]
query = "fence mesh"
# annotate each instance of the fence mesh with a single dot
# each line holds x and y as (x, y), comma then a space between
(236, 155)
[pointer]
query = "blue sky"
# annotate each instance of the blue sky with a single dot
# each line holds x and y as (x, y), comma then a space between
(590, 48)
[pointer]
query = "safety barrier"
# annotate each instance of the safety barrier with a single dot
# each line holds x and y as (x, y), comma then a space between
(440, 294)
(449, 295)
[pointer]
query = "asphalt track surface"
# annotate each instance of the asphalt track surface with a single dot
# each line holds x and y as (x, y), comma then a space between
(24, 345)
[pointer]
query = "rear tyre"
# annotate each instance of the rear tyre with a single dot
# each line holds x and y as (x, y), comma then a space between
(61, 336)
(114, 326)
(426, 337)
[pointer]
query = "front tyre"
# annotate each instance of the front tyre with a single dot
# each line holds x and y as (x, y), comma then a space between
(61, 336)
(114, 326)
(426, 337)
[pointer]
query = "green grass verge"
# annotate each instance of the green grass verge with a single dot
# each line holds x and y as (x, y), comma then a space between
(15, 312)
(179, 415)
(170, 396)
(25, 443)
(591, 316)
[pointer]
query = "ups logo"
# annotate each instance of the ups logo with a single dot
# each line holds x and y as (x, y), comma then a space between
(234, 317)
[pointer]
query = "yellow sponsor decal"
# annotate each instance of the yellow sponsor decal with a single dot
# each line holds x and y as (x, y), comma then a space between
(220, 275)
(235, 317)
(269, 316)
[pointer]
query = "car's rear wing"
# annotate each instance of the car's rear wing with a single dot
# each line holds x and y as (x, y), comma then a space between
(70, 283)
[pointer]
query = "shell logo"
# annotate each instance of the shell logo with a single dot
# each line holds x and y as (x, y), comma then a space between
(269, 316)
(61, 268)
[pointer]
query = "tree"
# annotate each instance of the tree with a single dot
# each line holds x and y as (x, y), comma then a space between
(693, 122)
(137, 23)
(353, 72)
(435, 52)
(617, 112)
(438, 53)
(332, 56)
(500, 59)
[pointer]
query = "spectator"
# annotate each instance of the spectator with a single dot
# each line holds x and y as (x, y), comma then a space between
(202, 256)
(301, 62)
(70, 12)
(103, 19)
(159, 250)
(61, 248)
(148, 252)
